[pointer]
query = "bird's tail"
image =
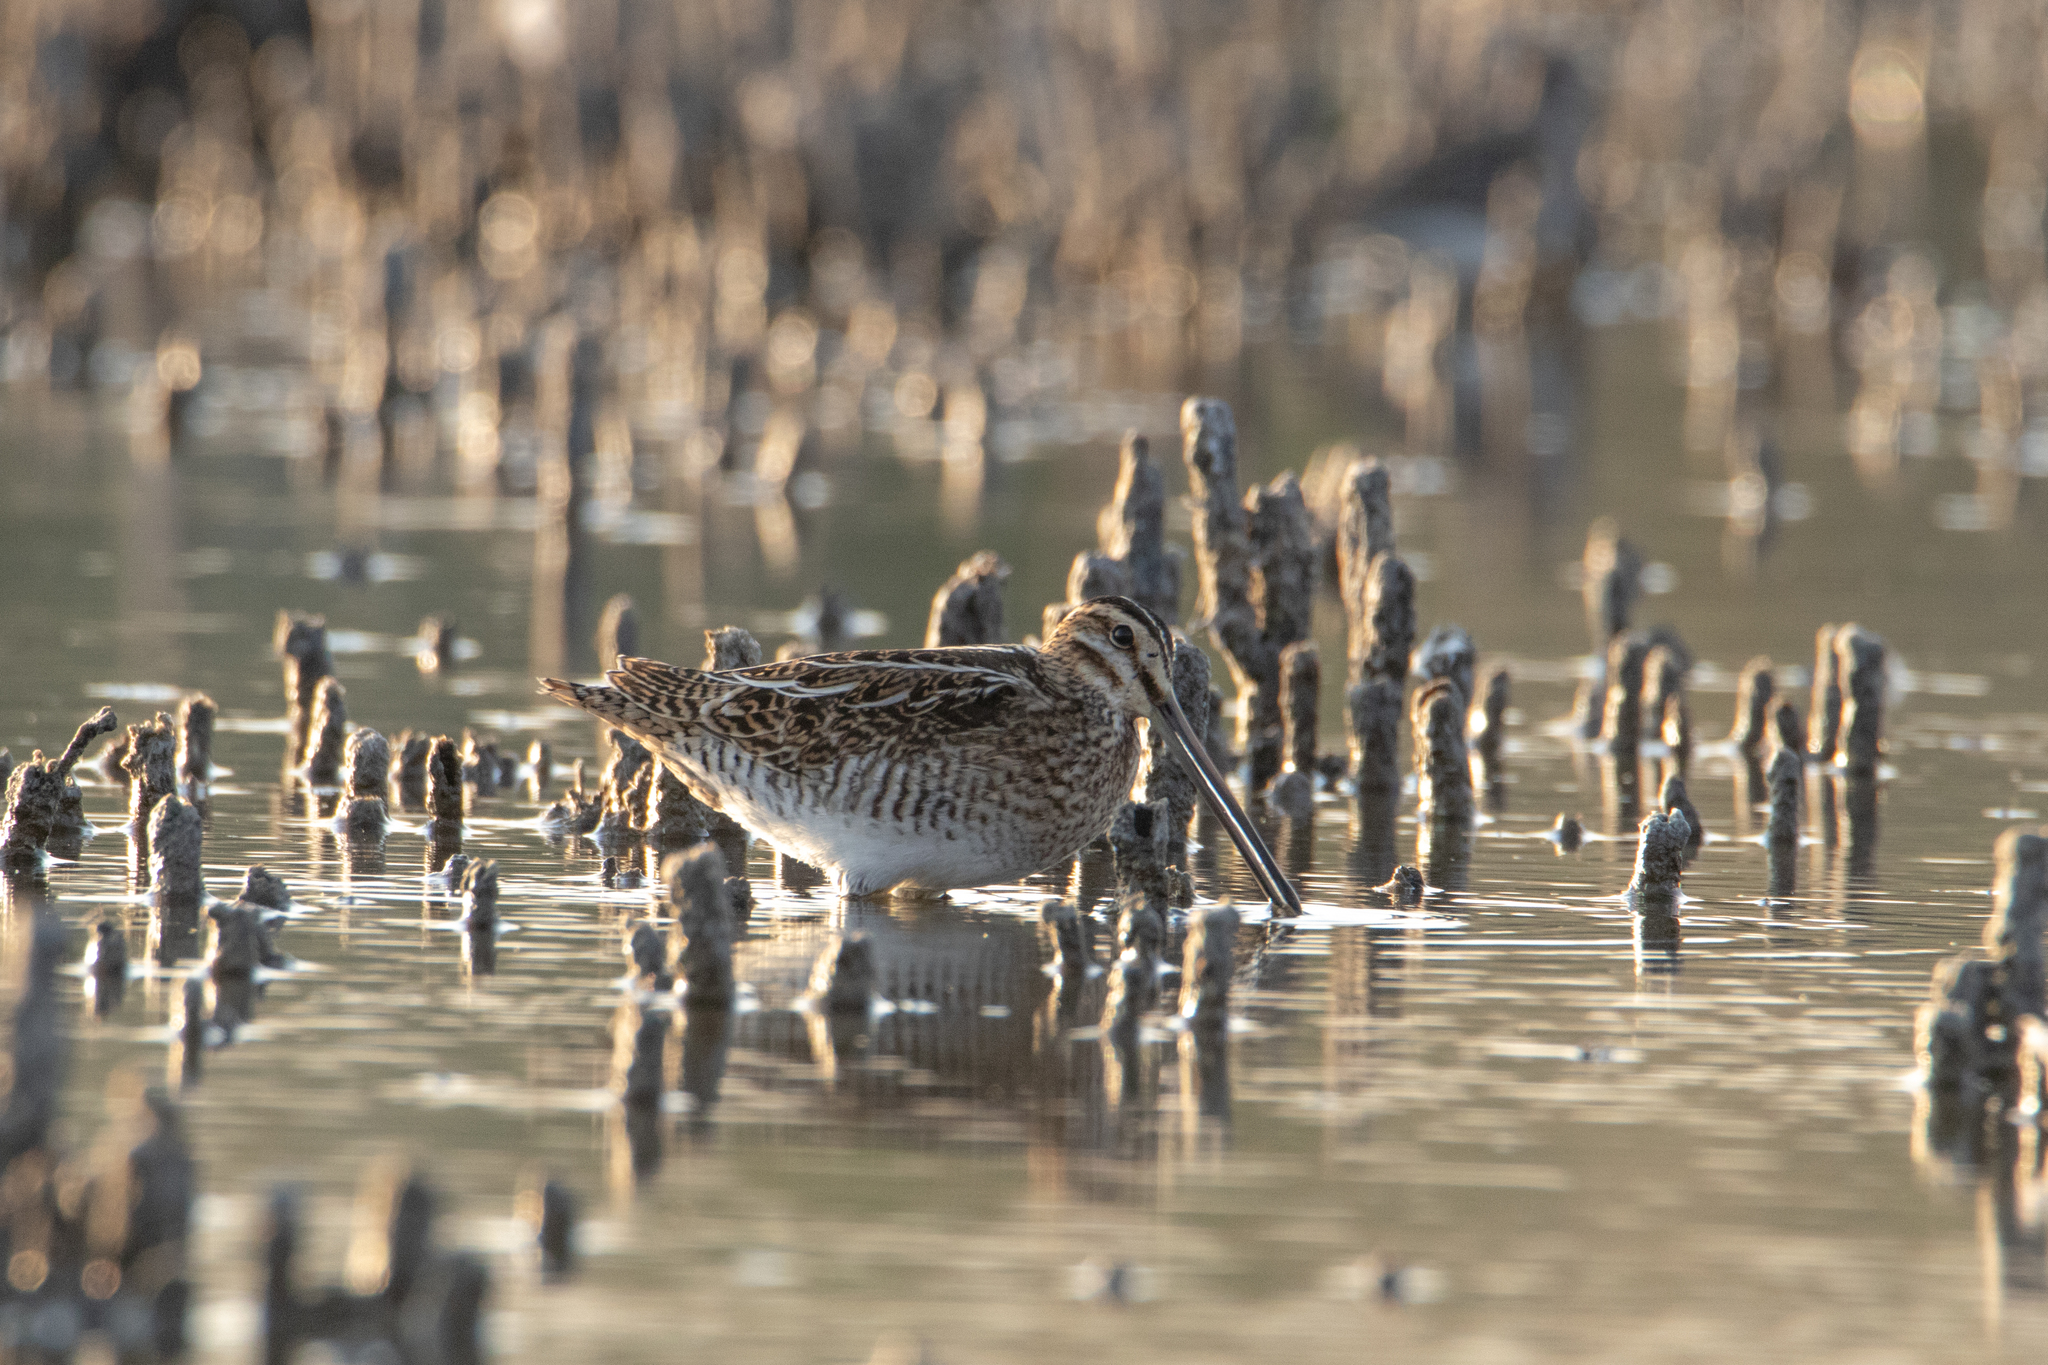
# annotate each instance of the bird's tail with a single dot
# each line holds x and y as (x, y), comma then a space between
(613, 707)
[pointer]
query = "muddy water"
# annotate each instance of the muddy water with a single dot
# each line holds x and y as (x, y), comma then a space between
(1549, 1140)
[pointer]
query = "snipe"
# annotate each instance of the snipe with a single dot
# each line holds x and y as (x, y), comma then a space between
(931, 768)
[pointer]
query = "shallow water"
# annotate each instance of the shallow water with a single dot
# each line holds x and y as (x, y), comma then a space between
(1578, 1147)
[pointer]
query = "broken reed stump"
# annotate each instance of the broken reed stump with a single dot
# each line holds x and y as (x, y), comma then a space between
(242, 938)
(1781, 835)
(301, 642)
(1660, 862)
(705, 925)
(1091, 575)
(1824, 713)
(1611, 574)
(1257, 570)
(1860, 675)
(1133, 990)
(366, 759)
(409, 768)
(445, 791)
(1789, 728)
(968, 607)
(646, 947)
(408, 1301)
(1145, 878)
(96, 1240)
(1381, 631)
(1673, 798)
(623, 817)
(1443, 767)
(196, 716)
(43, 803)
(1611, 579)
(152, 766)
(1206, 968)
(478, 886)
(540, 769)
(640, 1030)
(1487, 724)
(2013, 934)
(1365, 523)
(106, 966)
(676, 820)
(1405, 887)
(1622, 722)
(1132, 533)
(618, 633)
(175, 834)
(484, 769)
(1754, 691)
(1293, 791)
(1968, 1035)
(1448, 653)
(843, 978)
(730, 647)
(1568, 833)
(320, 764)
(1071, 953)
(552, 1210)
(1664, 673)
(1677, 731)
(434, 645)
(261, 886)
(1166, 776)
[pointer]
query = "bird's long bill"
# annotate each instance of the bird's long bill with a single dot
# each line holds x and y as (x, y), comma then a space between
(1249, 845)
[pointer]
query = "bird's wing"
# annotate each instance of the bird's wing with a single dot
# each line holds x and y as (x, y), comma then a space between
(807, 713)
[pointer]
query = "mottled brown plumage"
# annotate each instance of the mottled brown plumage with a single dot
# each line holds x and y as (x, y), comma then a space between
(931, 768)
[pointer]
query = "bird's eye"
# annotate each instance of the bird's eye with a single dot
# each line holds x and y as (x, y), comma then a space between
(1121, 637)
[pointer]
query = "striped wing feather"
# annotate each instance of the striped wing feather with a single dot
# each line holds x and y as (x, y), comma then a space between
(808, 713)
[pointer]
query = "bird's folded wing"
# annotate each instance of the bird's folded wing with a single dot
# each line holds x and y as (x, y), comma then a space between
(803, 713)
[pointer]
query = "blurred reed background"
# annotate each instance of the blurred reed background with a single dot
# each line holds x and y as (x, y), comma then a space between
(586, 248)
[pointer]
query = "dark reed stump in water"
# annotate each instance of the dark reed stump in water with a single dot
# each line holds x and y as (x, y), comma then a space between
(1824, 712)
(1860, 671)
(175, 833)
(1787, 780)
(843, 978)
(196, 716)
(1138, 837)
(1487, 724)
(446, 794)
(1166, 775)
(366, 759)
(1257, 568)
(1753, 695)
(705, 926)
(1132, 532)
(618, 633)
(1293, 791)
(1071, 953)
(409, 768)
(427, 1304)
(1447, 653)
(320, 764)
(301, 643)
(968, 607)
(1207, 965)
(1443, 768)
(1660, 858)
(1673, 798)
(1622, 723)
(1381, 620)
